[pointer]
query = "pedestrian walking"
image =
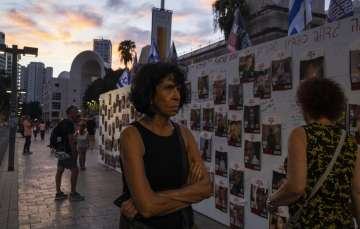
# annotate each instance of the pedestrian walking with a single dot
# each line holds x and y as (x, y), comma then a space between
(27, 134)
(66, 132)
(91, 127)
(82, 145)
(42, 128)
(35, 128)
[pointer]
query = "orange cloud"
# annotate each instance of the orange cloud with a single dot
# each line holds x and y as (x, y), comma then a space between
(20, 19)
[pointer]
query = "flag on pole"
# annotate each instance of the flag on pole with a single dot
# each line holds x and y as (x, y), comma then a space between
(154, 56)
(124, 79)
(173, 57)
(300, 14)
(340, 9)
(238, 37)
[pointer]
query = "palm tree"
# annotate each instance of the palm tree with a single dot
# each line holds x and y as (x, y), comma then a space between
(126, 50)
(223, 11)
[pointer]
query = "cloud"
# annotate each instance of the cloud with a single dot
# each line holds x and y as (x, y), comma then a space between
(114, 4)
(20, 19)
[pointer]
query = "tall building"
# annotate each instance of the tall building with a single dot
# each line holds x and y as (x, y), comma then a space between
(35, 81)
(161, 30)
(23, 82)
(2, 56)
(48, 73)
(55, 96)
(103, 48)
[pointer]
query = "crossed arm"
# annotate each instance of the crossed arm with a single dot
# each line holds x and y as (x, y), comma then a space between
(144, 200)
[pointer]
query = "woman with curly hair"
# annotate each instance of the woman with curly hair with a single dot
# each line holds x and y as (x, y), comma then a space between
(310, 149)
(161, 186)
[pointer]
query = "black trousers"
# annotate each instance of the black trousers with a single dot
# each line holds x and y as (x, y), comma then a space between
(27, 144)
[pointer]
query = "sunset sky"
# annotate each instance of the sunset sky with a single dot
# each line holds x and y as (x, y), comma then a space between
(62, 29)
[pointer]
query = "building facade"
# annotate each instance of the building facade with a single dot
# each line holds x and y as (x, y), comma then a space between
(2, 56)
(35, 82)
(103, 48)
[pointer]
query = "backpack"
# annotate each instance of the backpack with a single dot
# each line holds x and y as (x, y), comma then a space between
(56, 143)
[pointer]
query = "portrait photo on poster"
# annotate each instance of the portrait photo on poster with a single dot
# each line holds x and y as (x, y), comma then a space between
(195, 119)
(208, 119)
(252, 119)
(206, 147)
(277, 221)
(237, 215)
(221, 163)
(252, 155)
(354, 121)
(219, 91)
(188, 92)
(221, 197)
(313, 68)
(235, 97)
(281, 74)
(234, 132)
(355, 69)
(247, 68)
(258, 197)
(203, 87)
(236, 182)
(262, 84)
(220, 123)
(271, 139)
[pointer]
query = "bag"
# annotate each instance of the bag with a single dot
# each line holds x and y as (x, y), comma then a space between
(126, 223)
(293, 222)
(56, 144)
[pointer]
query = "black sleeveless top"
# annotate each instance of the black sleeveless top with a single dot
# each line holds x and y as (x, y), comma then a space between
(163, 168)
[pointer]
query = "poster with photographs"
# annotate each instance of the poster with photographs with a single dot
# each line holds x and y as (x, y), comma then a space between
(221, 162)
(221, 196)
(252, 152)
(354, 121)
(237, 214)
(219, 89)
(221, 122)
(262, 84)
(203, 87)
(212, 177)
(313, 68)
(271, 136)
(206, 147)
(252, 117)
(208, 118)
(278, 179)
(188, 92)
(236, 97)
(236, 180)
(258, 197)
(281, 74)
(234, 137)
(247, 68)
(277, 221)
(355, 69)
(195, 118)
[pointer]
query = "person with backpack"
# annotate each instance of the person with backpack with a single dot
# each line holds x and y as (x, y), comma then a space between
(64, 132)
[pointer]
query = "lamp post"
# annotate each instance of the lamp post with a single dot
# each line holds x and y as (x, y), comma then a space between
(13, 100)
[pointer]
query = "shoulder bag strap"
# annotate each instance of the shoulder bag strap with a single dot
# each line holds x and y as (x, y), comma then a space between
(328, 169)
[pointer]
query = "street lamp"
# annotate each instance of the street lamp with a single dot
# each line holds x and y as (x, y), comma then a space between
(13, 102)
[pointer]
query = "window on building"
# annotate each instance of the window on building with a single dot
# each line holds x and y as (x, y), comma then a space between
(56, 105)
(74, 100)
(55, 114)
(56, 96)
(57, 85)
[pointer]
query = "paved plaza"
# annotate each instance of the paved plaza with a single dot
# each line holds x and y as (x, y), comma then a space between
(36, 207)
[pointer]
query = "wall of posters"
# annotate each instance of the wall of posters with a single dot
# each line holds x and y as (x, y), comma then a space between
(243, 108)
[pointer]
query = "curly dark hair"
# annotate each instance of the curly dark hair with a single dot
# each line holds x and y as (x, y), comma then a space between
(147, 78)
(321, 97)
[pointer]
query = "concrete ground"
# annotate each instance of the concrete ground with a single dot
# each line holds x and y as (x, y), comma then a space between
(36, 207)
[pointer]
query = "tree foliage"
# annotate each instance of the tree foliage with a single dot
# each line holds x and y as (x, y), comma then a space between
(101, 86)
(33, 109)
(223, 12)
(126, 51)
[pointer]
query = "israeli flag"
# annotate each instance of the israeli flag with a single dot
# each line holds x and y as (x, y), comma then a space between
(124, 79)
(340, 9)
(297, 17)
(154, 56)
